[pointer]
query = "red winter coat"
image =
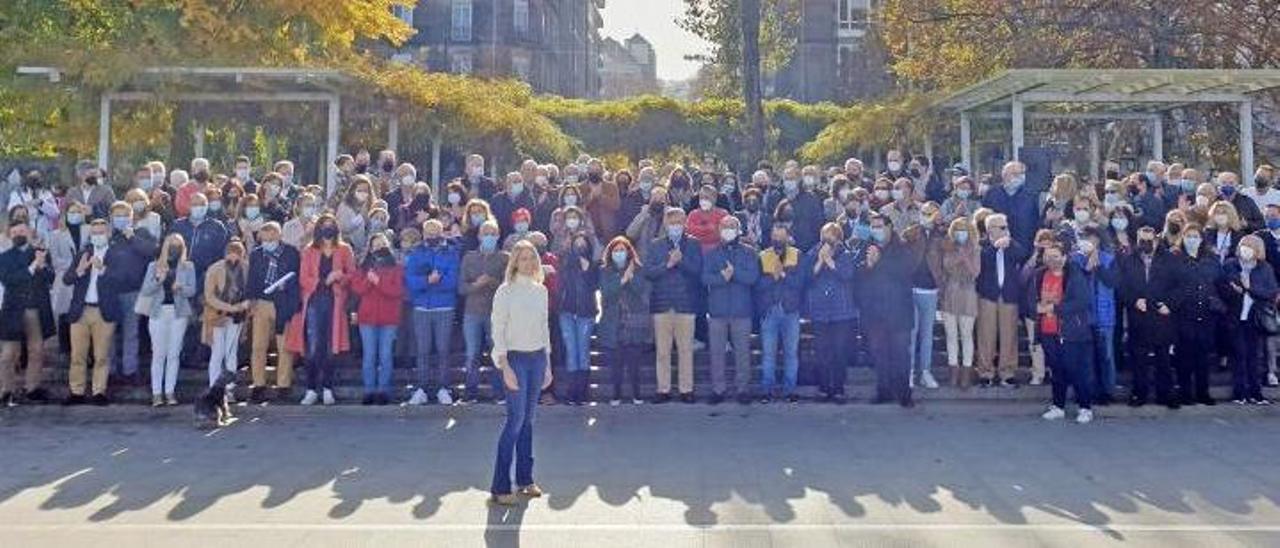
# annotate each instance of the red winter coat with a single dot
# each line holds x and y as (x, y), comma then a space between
(380, 302)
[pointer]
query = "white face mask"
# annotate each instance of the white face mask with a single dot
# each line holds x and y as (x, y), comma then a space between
(1221, 219)
(1245, 253)
(706, 205)
(895, 166)
(408, 180)
(573, 223)
(728, 234)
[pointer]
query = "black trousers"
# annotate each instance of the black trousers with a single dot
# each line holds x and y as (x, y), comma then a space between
(837, 343)
(889, 352)
(1195, 352)
(624, 362)
(1146, 359)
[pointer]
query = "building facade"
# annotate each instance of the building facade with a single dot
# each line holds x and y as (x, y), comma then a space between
(554, 45)
(627, 68)
(837, 57)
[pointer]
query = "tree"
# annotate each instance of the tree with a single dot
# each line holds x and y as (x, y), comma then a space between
(718, 22)
(751, 92)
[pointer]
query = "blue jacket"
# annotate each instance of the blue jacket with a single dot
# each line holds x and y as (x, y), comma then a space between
(577, 287)
(1104, 280)
(829, 293)
(787, 293)
(730, 299)
(287, 299)
(1075, 313)
(206, 244)
(988, 287)
(1022, 208)
(136, 254)
(675, 289)
(421, 262)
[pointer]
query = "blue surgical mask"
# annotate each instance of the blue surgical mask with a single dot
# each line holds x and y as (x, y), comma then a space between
(75, 218)
(522, 227)
(862, 231)
(1012, 185)
(477, 220)
(619, 258)
(488, 243)
(198, 212)
(962, 237)
(121, 223)
(215, 206)
(1273, 224)
(881, 234)
(675, 231)
(252, 212)
(1228, 191)
(270, 247)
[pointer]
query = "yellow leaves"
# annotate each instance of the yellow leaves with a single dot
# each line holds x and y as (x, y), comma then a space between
(883, 123)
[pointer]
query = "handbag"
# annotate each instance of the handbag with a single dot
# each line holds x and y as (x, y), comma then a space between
(1266, 318)
(142, 306)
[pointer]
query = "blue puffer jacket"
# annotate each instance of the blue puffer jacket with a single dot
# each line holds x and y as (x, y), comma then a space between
(445, 259)
(829, 293)
(1105, 279)
(730, 299)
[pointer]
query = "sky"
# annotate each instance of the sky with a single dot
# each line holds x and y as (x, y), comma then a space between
(655, 20)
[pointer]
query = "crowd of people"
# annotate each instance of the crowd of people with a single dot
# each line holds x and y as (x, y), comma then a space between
(1164, 271)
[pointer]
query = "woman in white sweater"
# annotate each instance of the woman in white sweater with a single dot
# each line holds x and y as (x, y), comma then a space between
(521, 345)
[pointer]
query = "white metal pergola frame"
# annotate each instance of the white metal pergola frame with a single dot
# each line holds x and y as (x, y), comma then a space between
(245, 84)
(1106, 95)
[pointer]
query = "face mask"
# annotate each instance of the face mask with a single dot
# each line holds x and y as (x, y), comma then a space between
(1085, 247)
(1228, 191)
(962, 237)
(475, 171)
(675, 231)
(895, 166)
(488, 243)
(139, 207)
(1202, 201)
(1014, 184)
(1273, 224)
(98, 240)
(571, 180)
(883, 195)
(327, 232)
(19, 241)
(270, 247)
(1082, 215)
(880, 235)
(897, 195)
(252, 212)
(455, 198)
(844, 194)
(91, 181)
(215, 206)
(157, 179)
(1120, 224)
(728, 234)
(121, 223)
(780, 246)
(540, 181)
(862, 232)
(286, 180)
(477, 219)
(198, 212)
(573, 223)
(362, 196)
(1147, 247)
(963, 193)
(144, 184)
(619, 258)
(1221, 219)
(1188, 185)
(377, 225)
(790, 185)
(242, 174)
(1246, 254)
(1151, 176)
(706, 204)
(310, 211)
(646, 184)
(75, 218)
(433, 241)
(726, 190)
(517, 189)
(753, 206)
(810, 182)
(570, 200)
(522, 227)
(1191, 244)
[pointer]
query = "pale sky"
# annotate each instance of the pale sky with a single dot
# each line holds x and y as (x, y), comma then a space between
(656, 21)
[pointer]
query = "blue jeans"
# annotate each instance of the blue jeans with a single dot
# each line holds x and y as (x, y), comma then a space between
(785, 325)
(378, 343)
(517, 432)
(1104, 356)
(477, 333)
(926, 308)
(124, 358)
(576, 332)
(432, 329)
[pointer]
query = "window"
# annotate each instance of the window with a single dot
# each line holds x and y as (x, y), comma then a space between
(403, 13)
(460, 62)
(853, 14)
(520, 16)
(461, 28)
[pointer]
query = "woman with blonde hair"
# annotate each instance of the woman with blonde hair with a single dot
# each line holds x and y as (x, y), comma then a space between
(297, 231)
(1224, 231)
(226, 306)
(1248, 284)
(1060, 204)
(521, 345)
(143, 217)
(961, 264)
(169, 284)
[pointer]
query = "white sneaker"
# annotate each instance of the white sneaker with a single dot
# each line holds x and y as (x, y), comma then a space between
(615, 402)
(231, 393)
(444, 397)
(1272, 380)
(310, 397)
(1037, 381)
(419, 397)
(1085, 416)
(1054, 413)
(911, 380)
(328, 397)
(926, 378)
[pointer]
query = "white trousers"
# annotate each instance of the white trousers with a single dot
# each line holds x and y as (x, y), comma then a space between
(224, 350)
(959, 330)
(166, 331)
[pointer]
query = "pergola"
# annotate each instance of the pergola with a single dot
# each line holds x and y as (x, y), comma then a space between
(231, 84)
(1108, 95)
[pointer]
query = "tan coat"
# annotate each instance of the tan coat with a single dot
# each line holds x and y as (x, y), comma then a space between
(215, 309)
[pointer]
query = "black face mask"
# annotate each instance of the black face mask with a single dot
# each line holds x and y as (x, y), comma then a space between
(433, 241)
(362, 168)
(388, 165)
(657, 208)
(174, 256)
(1147, 247)
(753, 206)
(594, 177)
(91, 181)
(19, 241)
(780, 246)
(328, 232)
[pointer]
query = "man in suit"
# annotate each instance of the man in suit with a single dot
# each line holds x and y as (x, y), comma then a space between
(272, 310)
(26, 316)
(93, 314)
